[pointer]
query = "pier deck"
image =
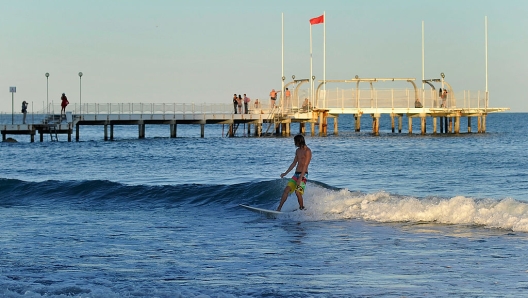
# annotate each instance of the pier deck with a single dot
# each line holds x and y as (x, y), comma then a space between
(279, 121)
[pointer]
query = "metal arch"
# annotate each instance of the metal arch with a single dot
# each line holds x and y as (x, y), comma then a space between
(415, 89)
(451, 94)
(432, 86)
(299, 83)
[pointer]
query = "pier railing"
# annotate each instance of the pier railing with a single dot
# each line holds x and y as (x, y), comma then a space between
(398, 98)
(300, 101)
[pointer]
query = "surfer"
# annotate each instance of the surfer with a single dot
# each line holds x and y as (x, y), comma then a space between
(297, 183)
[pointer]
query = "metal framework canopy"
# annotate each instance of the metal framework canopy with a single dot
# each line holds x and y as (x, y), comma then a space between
(358, 80)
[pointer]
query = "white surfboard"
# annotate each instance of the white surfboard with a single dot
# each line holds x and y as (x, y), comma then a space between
(268, 213)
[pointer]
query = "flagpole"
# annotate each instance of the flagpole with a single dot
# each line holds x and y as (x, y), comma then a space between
(324, 57)
(423, 55)
(486, 50)
(423, 63)
(311, 72)
(282, 77)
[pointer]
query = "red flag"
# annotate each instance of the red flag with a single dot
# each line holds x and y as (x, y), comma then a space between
(317, 20)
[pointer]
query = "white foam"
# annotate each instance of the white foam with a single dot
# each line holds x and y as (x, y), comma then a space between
(325, 204)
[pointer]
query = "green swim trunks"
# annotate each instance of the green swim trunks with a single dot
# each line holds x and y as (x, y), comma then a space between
(295, 186)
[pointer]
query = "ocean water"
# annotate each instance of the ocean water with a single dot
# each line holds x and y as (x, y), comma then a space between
(394, 215)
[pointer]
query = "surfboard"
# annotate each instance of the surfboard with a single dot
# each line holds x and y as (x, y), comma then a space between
(267, 212)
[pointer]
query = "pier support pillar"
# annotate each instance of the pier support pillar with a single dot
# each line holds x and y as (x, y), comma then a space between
(320, 124)
(76, 133)
(105, 129)
(445, 125)
(483, 123)
(423, 124)
(400, 123)
(335, 125)
(375, 124)
(141, 131)
(312, 128)
(457, 124)
(450, 125)
(286, 129)
(469, 124)
(202, 130)
(258, 129)
(249, 130)
(302, 128)
(357, 117)
(111, 132)
(434, 125)
(173, 128)
(231, 132)
(323, 123)
(410, 125)
(392, 122)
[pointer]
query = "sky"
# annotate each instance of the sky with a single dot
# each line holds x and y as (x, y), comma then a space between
(204, 51)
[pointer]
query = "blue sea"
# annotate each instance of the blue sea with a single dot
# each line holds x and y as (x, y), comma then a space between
(394, 215)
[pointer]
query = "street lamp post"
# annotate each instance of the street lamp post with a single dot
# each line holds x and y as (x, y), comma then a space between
(12, 90)
(80, 101)
(47, 94)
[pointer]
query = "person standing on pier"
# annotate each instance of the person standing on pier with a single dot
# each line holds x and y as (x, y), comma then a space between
(64, 103)
(239, 103)
(303, 156)
(235, 102)
(444, 98)
(440, 95)
(287, 97)
(273, 98)
(24, 111)
(246, 104)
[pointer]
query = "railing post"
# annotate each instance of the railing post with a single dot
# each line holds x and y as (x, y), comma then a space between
(392, 98)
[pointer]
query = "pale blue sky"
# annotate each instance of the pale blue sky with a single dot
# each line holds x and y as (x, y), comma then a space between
(204, 51)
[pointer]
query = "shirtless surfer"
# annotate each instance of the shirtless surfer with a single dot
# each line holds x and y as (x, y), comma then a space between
(297, 183)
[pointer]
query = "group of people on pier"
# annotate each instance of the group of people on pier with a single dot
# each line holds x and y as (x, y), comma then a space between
(273, 97)
(442, 94)
(238, 101)
(241, 104)
(64, 104)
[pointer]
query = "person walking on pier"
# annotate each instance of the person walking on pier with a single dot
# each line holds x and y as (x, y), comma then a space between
(246, 104)
(297, 184)
(235, 102)
(64, 103)
(24, 111)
